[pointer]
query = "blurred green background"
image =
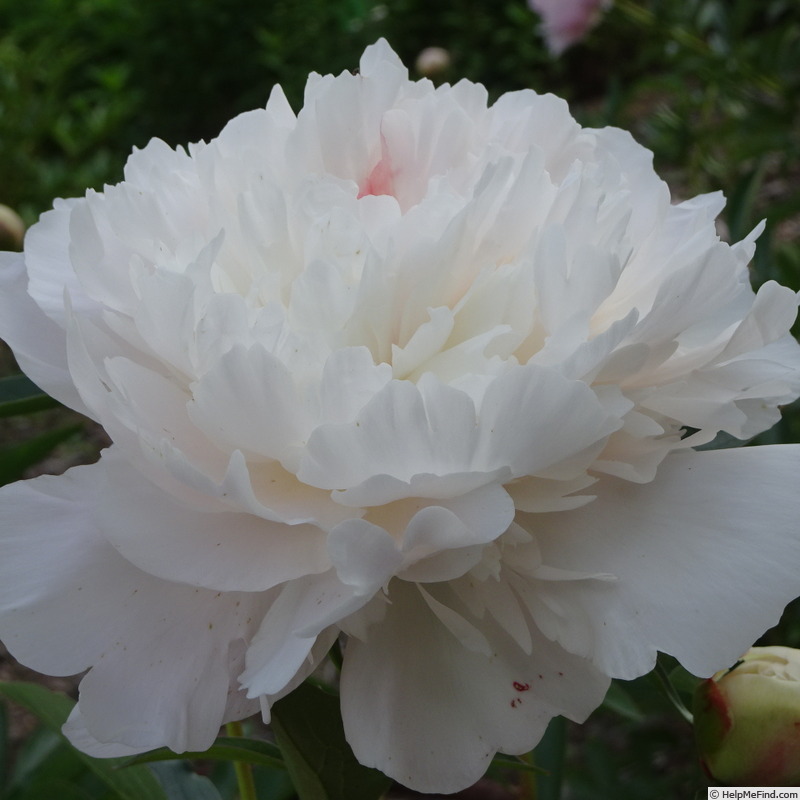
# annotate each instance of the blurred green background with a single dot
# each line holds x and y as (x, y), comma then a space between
(711, 86)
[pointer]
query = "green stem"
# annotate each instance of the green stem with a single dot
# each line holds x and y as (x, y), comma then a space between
(527, 787)
(672, 695)
(549, 755)
(244, 770)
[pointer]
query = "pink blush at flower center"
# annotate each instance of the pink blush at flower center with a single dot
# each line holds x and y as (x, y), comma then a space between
(380, 180)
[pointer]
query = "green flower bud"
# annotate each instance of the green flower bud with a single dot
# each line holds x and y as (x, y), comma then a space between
(747, 720)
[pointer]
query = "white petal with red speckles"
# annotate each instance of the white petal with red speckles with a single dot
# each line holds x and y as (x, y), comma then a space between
(435, 722)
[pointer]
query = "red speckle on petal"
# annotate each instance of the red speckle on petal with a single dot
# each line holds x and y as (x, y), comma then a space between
(521, 687)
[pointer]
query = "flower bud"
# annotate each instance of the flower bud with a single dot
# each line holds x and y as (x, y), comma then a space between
(432, 61)
(747, 720)
(12, 229)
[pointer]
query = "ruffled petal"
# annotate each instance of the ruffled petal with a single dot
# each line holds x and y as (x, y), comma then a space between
(435, 430)
(247, 401)
(161, 653)
(430, 712)
(222, 550)
(39, 344)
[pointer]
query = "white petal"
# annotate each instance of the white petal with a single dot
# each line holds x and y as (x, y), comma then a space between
(430, 712)
(160, 652)
(248, 402)
(434, 430)
(349, 380)
(143, 404)
(465, 632)
(48, 263)
(705, 556)
(226, 551)
(39, 344)
(532, 418)
(383, 489)
(541, 494)
(302, 611)
(364, 555)
(443, 541)
(76, 731)
(773, 312)
(364, 558)
(424, 343)
(393, 436)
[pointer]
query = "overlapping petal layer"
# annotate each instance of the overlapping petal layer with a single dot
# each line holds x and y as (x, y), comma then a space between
(404, 368)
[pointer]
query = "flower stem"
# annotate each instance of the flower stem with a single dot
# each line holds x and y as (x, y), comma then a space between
(244, 771)
(549, 755)
(672, 695)
(527, 787)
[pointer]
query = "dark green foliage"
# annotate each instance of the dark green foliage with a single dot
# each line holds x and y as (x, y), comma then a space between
(48, 757)
(19, 395)
(226, 748)
(308, 728)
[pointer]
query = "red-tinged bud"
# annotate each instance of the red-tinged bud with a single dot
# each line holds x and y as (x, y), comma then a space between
(747, 720)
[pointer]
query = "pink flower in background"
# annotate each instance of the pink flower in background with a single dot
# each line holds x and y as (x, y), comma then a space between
(410, 371)
(565, 22)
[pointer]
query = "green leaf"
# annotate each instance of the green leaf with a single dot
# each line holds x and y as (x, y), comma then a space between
(20, 395)
(620, 702)
(38, 749)
(22, 456)
(53, 787)
(517, 763)
(309, 731)
(45, 758)
(661, 677)
(52, 709)
(685, 683)
(549, 754)
(180, 783)
(226, 748)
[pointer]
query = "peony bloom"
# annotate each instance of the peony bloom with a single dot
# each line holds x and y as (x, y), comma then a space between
(747, 719)
(410, 371)
(565, 22)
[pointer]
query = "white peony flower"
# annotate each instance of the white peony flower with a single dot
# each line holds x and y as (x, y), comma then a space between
(414, 370)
